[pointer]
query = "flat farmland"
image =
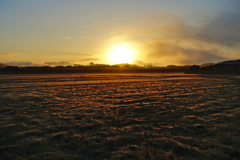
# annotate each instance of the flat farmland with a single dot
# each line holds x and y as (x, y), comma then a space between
(119, 116)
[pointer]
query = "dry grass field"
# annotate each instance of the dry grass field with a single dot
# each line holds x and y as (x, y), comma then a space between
(119, 116)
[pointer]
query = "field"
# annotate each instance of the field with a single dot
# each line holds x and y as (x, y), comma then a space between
(119, 116)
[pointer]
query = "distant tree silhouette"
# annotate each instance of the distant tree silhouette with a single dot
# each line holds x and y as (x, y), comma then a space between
(195, 68)
(12, 68)
(219, 66)
(126, 66)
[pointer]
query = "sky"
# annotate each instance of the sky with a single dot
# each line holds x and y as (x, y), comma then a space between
(161, 32)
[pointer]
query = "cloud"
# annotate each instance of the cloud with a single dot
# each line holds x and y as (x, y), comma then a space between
(169, 52)
(222, 30)
(82, 54)
(69, 53)
(2, 53)
(89, 59)
(140, 63)
(189, 56)
(71, 61)
(235, 5)
(60, 63)
(90, 55)
(10, 53)
(177, 42)
(21, 64)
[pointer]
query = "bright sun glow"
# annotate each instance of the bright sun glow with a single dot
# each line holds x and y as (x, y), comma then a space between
(121, 54)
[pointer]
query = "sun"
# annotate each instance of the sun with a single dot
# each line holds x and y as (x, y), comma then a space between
(121, 54)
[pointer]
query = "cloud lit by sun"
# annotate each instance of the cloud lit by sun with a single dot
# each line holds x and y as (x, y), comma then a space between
(122, 53)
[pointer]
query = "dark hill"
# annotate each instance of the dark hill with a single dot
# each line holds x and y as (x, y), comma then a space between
(3, 65)
(233, 62)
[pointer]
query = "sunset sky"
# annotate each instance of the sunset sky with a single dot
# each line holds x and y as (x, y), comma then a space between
(161, 32)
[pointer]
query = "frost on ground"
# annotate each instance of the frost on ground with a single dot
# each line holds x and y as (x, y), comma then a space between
(121, 116)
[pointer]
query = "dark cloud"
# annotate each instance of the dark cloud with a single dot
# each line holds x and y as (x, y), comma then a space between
(222, 30)
(235, 5)
(65, 63)
(21, 64)
(172, 53)
(189, 56)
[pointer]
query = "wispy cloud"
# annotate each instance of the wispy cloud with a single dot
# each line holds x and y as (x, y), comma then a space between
(60, 63)
(10, 53)
(79, 54)
(73, 54)
(1, 53)
(89, 59)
